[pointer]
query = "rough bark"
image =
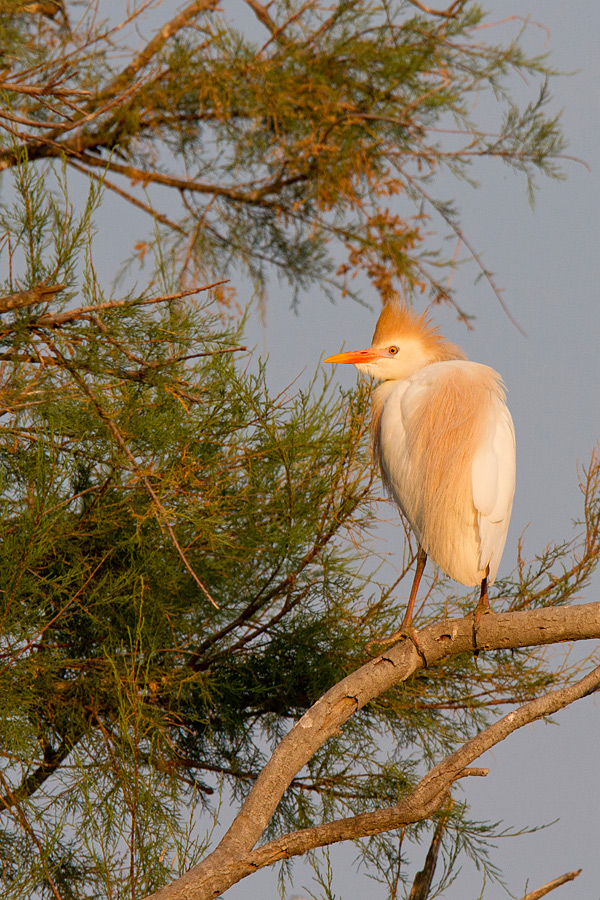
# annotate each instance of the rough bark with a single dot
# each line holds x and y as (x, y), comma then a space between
(423, 879)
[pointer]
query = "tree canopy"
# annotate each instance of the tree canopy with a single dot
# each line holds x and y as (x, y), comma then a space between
(188, 615)
(300, 138)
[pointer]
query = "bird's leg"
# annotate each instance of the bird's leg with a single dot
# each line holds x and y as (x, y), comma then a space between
(406, 629)
(421, 560)
(482, 607)
(484, 601)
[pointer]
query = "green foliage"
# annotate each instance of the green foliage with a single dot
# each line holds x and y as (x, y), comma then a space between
(120, 422)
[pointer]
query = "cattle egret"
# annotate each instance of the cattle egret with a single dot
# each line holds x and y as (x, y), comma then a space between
(445, 444)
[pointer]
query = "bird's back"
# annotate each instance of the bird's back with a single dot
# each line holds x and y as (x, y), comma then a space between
(444, 439)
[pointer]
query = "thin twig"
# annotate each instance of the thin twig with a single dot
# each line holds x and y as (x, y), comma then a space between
(551, 885)
(69, 315)
(27, 827)
(156, 44)
(102, 179)
(442, 13)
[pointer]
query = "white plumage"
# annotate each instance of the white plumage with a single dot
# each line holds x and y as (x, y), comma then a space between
(445, 444)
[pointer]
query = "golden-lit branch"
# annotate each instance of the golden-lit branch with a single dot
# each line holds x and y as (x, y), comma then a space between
(551, 886)
(235, 857)
(40, 294)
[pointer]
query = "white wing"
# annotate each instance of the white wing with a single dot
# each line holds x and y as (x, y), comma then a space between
(493, 476)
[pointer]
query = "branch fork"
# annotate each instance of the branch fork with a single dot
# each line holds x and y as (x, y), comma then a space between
(235, 857)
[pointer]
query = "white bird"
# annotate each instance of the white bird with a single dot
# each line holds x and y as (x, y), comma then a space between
(445, 443)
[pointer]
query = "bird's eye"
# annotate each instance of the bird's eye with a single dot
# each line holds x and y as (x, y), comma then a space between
(392, 351)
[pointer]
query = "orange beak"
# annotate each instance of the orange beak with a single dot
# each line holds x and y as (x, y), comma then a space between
(356, 357)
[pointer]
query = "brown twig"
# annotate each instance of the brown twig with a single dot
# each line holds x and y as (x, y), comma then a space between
(442, 13)
(422, 881)
(52, 759)
(39, 294)
(145, 176)
(72, 314)
(476, 256)
(27, 827)
(156, 44)
(146, 207)
(551, 885)
(38, 634)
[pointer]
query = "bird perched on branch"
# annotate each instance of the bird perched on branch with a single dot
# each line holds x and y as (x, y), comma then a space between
(445, 444)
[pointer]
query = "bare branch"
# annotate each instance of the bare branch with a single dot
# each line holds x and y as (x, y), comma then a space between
(235, 858)
(261, 13)
(431, 792)
(40, 294)
(422, 882)
(442, 13)
(556, 882)
(73, 314)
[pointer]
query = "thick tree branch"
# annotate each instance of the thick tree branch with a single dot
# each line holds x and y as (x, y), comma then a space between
(40, 146)
(235, 857)
(261, 13)
(421, 803)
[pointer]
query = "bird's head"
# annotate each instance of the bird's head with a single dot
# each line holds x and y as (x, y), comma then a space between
(403, 343)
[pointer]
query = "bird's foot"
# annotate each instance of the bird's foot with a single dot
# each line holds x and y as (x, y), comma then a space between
(405, 633)
(377, 643)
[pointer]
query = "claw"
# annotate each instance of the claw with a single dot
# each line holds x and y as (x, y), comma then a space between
(407, 634)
